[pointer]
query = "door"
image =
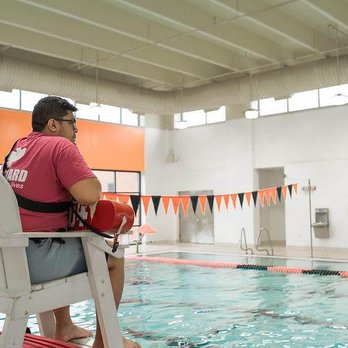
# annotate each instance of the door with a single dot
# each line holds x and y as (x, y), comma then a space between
(272, 217)
(196, 227)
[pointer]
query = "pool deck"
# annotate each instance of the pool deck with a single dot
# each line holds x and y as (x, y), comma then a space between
(332, 254)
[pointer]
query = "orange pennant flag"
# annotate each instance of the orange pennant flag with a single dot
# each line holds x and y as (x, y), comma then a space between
(295, 187)
(203, 203)
(284, 190)
(175, 202)
(274, 194)
(262, 197)
(248, 197)
(146, 202)
(185, 203)
(234, 199)
(268, 196)
(165, 202)
(218, 201)
(110, 196)
(227, 200)
(123, 198)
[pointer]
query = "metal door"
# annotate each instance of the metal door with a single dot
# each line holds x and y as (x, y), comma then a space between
(196, 228)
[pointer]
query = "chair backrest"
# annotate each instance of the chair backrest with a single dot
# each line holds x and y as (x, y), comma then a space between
(9, 215)
(13, 262)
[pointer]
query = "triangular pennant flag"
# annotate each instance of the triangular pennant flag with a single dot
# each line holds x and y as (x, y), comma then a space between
(165, 202)
(123, 198)
(211, 203)
(218, 199)
(185, 203)
(279, 193)
(175, 202)
(156, 201)
(295, 186)
(111, 196)
(234, 199)
(254, 194)
(241, 199)
(267, 194)
(194, 201)
(135, 200)
(274, 195)
(226, 200)
(146, 202)
(284, 189)
(262, 197)
(290, 190)
(248, 197)
(203, 203)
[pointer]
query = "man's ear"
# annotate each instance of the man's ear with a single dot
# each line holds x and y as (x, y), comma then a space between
(51, 125)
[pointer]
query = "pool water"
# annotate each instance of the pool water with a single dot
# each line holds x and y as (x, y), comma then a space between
(167, 305)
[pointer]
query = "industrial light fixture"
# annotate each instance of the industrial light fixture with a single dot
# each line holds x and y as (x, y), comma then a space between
(181, 124)
(251, 113)
(338, 98)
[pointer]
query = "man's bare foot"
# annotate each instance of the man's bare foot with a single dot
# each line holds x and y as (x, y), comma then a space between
(130, 344)
(72, 332)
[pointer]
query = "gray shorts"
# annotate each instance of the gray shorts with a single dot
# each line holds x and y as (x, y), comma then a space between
(55, 258)
(52, 258)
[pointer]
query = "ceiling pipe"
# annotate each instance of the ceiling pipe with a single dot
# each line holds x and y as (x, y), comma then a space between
(15, 73)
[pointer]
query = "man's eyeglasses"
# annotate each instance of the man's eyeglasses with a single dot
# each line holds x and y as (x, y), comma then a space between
(71, 122)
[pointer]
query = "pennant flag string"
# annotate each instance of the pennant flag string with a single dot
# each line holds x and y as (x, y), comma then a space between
(265, 197)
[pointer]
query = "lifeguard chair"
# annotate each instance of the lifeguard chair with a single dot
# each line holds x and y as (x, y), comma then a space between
(19, 299)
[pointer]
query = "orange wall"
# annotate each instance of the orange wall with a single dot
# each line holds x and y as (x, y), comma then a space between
(103, 145)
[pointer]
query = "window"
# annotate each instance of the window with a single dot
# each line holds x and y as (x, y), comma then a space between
(107, 180)
(88, 112)
(215, 116)
(127, 182)
(10, 99)
(121, 182)
(329, 96)
(129, 118)
(30, 99)
(304, 100)
(270, 106)
(111, 114)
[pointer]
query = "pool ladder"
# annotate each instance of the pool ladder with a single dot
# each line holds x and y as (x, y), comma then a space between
(258, 243)
(244, 246)
(243, 243)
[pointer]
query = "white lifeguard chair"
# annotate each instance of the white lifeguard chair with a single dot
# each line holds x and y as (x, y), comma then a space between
(19, 299)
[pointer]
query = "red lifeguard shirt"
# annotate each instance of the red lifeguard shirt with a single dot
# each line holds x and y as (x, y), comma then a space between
(43, 168)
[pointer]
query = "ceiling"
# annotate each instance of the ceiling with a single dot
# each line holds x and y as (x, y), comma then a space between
(166, 45)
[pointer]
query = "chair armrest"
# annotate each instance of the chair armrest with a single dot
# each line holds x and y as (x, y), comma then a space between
(68, 234)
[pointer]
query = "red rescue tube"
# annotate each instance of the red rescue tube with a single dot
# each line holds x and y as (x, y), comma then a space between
(107, 217)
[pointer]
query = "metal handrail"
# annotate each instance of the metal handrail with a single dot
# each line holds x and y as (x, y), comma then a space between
(243, 239)
(264, 229)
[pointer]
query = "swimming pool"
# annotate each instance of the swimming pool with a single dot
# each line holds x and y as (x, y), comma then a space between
(166, 305)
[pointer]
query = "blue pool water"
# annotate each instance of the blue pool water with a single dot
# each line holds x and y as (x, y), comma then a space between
(166, 305)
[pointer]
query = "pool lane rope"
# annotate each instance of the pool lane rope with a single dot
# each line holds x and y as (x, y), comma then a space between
(281, 269)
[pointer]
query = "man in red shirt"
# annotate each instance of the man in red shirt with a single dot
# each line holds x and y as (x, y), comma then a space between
(46, 167)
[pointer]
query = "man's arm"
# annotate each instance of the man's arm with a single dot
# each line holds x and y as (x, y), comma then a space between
(86, 191)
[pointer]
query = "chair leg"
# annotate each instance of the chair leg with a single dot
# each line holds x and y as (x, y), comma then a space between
(13, 332)
(47, 324)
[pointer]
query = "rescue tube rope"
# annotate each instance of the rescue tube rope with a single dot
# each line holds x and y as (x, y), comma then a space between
(281, 269)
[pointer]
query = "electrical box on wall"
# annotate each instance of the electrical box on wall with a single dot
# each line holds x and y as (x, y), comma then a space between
(321, 224)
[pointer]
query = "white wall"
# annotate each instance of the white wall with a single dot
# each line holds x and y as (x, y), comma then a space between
(215, 158)
(309, 144)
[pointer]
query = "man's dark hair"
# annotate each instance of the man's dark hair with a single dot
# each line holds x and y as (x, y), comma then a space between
(49, 107)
